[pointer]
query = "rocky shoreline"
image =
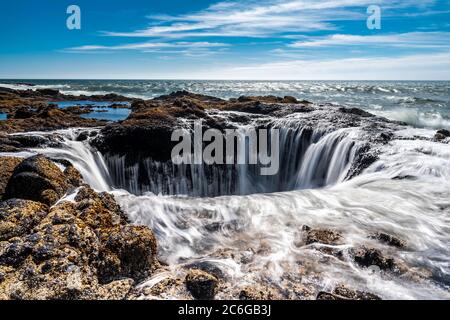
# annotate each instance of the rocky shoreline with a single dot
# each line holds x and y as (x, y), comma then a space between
(60, 239)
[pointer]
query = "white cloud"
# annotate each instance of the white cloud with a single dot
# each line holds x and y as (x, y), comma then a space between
(411, 40)
(150, 45)
(261, 18)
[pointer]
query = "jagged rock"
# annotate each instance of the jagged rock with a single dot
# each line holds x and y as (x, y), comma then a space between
(18, 217)
(8, 164)
(98, 209)
(344, 293)
(389, 239)
(48, 92)
(38, 179)
(324, 236)
(57, 255)
(367, 257)
(259, 292)
(73, 176)
(202, 285)
(442, 134)
(126, 251)
(356, 111)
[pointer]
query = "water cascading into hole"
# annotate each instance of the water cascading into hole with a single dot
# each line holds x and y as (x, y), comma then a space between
(309, 158)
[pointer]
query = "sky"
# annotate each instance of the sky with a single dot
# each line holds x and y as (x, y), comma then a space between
(202, 39)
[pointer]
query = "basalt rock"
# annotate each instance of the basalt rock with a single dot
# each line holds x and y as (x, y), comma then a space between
(324, 236)
(369, 257)
(8, 164)
(343, 293)
(389, 239)
(441, 134)
(38, 179)
(74, 250)
(126, 251)
(259, 292)
(46, 118)
(202, 285)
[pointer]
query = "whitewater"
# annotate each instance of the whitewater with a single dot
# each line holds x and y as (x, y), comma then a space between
(253, 238)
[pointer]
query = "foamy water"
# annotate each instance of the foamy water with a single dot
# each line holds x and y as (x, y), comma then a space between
(257, 238)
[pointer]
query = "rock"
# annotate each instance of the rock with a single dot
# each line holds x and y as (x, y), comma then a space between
(48, 92)
(259, 292)
(38, 179)
(126, 251)
(8, 164)
(442, 134)
(344, 293)
(207, 267)
(18, 217)
(23, 113)
(202, 285)
(324, 236)
(98, 210)
(59, 255)
(73, 176)
(355, 294)
(389, 239)
(356, 111)
(367, 257)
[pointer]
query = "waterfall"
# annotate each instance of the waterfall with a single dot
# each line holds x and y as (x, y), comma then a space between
(309, 158)
(86, 159)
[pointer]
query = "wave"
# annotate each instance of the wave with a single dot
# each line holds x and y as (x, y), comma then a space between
(416, 118)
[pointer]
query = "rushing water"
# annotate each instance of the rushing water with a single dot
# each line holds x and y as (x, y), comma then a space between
(419, 103)
(254, 238)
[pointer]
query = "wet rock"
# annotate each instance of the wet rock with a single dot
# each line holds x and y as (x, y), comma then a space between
(126, 251)
(259, 292)
(18, 217)
(202, 285)
(23, 113)
(46, 118)
(344, 293)
(48, 92)
(8, 164)
(324, 236)
(207, 267)
(356, 111)
(73, 176)
(98, 210)
(38, 179)
(389, 239)
(57, 255)
(442, 134)
(367, 257)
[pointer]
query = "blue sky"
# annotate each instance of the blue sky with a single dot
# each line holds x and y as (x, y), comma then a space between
(264, 39)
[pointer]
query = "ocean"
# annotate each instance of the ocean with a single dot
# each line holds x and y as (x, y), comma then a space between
(422, 104)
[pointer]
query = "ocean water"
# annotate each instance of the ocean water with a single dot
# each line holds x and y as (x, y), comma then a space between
(100, 109)
(422, 104)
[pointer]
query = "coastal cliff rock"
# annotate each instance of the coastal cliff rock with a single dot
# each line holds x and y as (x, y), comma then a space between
(77, 249)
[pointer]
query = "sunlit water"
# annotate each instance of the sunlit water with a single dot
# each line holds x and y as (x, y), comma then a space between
(100, 110)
